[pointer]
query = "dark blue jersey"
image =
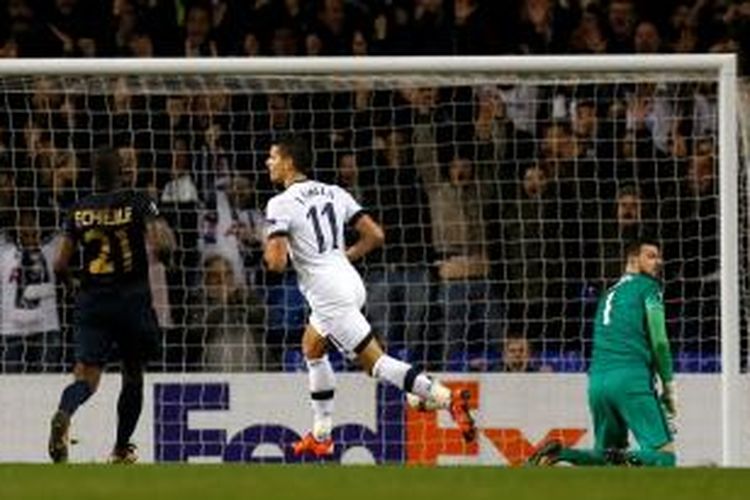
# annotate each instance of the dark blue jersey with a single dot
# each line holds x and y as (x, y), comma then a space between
(111, 228)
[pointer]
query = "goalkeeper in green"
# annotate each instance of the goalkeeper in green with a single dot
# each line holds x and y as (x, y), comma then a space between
(630, 348)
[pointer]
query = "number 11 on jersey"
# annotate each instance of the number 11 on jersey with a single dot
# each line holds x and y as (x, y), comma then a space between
(328, 211)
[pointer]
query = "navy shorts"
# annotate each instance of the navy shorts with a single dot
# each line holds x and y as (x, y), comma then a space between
(115, 324)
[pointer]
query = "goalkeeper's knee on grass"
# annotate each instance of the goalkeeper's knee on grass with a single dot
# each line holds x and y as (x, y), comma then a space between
(653, 458)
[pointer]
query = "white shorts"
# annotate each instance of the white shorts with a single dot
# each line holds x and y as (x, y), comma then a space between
(346, 329)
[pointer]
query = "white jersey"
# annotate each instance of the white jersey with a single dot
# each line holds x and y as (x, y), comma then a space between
(29, 299)
(313, 215)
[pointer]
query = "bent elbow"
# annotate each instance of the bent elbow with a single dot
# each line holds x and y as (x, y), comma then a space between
(276, 265)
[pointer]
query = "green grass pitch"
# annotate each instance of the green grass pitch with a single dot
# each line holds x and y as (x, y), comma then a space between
(229, 482)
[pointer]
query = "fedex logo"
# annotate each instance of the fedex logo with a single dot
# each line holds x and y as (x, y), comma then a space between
(174, 441)
(402, 435)
(426, 440)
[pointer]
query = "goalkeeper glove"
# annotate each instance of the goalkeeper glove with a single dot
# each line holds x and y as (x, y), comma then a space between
(669, 400)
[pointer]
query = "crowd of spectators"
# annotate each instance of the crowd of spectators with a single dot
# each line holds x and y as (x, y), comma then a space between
(196, 28)
(506, 207)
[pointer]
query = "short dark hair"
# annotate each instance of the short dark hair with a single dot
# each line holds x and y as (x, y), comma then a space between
(634, 247)
(298, 150)
(107, 168)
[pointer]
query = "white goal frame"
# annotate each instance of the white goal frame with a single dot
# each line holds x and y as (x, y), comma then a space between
(724, 66)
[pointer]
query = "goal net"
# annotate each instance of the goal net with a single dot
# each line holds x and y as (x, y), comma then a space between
(506, 196)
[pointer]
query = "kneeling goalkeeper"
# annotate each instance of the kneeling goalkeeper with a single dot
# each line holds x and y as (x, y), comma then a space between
(630, 348)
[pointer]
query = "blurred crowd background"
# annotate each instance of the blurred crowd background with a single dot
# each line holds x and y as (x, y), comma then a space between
(506, 206)
(214, 28)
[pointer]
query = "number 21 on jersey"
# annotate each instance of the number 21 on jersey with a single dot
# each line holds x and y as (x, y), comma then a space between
(104, 263)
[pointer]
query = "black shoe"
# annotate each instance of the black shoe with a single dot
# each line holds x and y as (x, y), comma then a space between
(127, 454)
(620, 457)
(548, 454)
(58, 437)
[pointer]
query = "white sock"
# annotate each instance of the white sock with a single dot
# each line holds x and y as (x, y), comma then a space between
(422, 386)
(322, 385)
(391, 370)
(403, 375)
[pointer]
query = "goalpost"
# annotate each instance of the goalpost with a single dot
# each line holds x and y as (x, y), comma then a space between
(191, 127)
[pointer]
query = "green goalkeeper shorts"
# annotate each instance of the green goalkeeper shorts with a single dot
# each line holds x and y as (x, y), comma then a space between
(622, 401)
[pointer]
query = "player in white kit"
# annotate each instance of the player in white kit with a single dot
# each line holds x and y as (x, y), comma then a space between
(306, 223)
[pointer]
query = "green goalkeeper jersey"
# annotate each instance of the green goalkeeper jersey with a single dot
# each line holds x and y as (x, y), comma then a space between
(630, 329)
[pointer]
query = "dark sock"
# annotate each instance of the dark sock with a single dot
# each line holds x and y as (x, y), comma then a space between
(582, 457)
(128, 411)
(653, 458)
(74, 396)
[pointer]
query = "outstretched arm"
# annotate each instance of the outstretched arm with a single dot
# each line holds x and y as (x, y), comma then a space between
(371, 236)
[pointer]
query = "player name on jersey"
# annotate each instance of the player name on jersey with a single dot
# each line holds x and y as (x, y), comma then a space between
(103, 216)
(315, 190)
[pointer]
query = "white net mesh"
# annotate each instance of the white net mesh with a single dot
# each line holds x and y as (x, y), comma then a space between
(506, 201)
